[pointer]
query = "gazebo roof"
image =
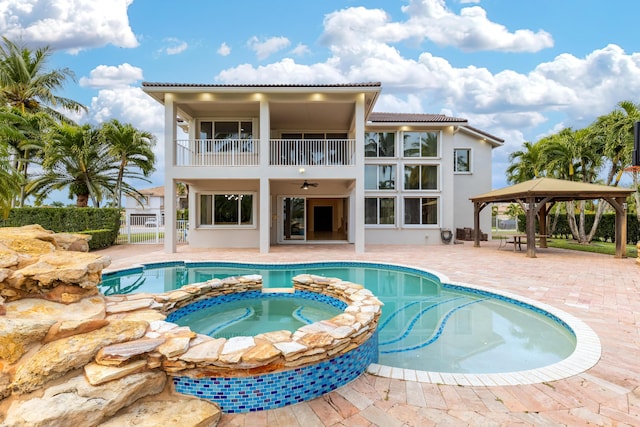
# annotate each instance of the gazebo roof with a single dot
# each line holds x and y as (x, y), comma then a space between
(557, 189)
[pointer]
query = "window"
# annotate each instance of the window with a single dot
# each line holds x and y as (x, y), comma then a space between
(226, 130)
(462, 160)
(226, 136)
(380, 177)
(420, 144)
(379, 144)
(421, 210)
(314, 136)
(226, 209)
(421, 177)
(379, 210)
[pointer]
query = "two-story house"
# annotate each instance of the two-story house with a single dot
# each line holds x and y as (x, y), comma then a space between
(296, 164)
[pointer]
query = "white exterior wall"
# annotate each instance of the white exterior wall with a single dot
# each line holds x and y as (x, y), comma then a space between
(418, 234)
(220, 237)
(471, 184)
(152, 202)
(269, 184)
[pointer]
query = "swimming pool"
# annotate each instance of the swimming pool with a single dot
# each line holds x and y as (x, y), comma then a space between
(426, 324)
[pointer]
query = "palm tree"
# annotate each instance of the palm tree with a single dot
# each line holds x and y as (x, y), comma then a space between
(77, 159)
(10, 181)
(26, 84)
(525, 164)
(131, 148)
(25, 134)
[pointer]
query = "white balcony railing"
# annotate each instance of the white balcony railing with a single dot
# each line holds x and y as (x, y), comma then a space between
(282, 152)
(217, 152)
(312, 152)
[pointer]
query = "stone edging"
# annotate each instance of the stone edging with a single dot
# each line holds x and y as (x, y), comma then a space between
(178, 350)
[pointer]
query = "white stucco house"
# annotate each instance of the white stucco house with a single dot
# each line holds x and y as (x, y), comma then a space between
(149, 204)
(298, 164)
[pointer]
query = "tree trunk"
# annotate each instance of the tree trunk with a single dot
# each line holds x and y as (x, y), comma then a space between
(82, 200)
(554, 223)
(596, 219)
(571, 219)
(582, 235)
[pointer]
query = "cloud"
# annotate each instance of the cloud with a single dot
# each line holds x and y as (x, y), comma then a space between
(268, 47)
(224, 50)
(105, 76)
(272, 73)
(175, 46)
(471, 30)
(130, 104)
(71, 25)
(300, 50)
(571, 89)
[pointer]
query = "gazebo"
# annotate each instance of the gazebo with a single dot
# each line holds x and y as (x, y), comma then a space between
(539, 195)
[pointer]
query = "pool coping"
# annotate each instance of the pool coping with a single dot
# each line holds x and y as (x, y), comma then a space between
(586, 354)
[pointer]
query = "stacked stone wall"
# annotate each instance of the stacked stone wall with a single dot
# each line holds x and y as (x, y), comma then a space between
(64, 345)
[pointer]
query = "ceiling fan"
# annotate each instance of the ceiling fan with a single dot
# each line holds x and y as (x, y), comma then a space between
(305, 185)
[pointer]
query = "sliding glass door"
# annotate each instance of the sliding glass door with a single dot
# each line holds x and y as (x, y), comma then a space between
(293, 218)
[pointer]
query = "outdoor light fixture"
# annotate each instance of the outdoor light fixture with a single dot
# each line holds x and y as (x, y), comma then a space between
(301, 170)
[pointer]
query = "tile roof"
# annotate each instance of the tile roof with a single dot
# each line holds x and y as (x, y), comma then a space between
(416, 118)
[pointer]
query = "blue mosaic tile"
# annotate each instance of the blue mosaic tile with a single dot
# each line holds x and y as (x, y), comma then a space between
(240, 296)
(247, 394)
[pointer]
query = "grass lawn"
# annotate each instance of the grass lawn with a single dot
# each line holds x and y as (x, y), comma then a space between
(595, 246)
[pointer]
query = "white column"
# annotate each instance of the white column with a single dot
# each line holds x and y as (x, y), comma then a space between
(170, 206)
(358, 192)
(265, 196)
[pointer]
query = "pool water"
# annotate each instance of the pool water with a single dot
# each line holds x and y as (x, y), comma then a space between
(256, 316)
(425, 324)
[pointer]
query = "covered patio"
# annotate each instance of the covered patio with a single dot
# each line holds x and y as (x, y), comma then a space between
(538, 196)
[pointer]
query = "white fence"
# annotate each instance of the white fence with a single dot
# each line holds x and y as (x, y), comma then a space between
(149, 229)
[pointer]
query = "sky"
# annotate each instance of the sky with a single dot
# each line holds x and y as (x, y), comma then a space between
(517, 69)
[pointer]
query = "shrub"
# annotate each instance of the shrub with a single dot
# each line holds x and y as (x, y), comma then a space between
(102, 224)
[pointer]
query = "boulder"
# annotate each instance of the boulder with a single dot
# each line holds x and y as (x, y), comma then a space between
(58, 268)
(37, 309)
(98, 374)
(57, 358)
(72, 241)
(16, 335)
(183, 412)
(77, 403)
(68, 328)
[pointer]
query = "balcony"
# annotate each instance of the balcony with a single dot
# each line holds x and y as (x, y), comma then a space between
(282, 152)
(312, 152)
(217, 152)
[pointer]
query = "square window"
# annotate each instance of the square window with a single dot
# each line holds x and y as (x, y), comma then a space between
(421, 211)
(379, 144)
(380, 177)
(421, 177)
(420, 144)
(379, 210)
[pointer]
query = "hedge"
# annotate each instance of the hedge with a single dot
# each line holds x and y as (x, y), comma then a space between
(606, 230)
(103, 224)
